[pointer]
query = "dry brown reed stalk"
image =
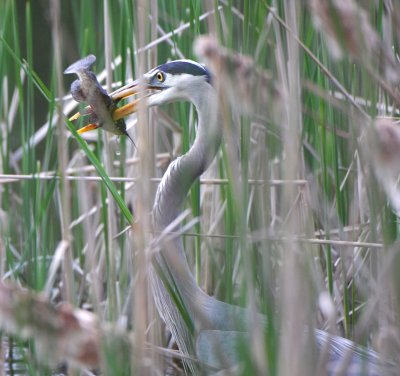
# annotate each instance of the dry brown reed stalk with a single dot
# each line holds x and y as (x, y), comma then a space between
(393, 8)
(13, 178)
(295, 301)
(62, 153)
(60, 333)
(4, 231)
(347, 29)
(107, 156)
(247, 87)
(144, 310)
(384, 137)
(94, 260)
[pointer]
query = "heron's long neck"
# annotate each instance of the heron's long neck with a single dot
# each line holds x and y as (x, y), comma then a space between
(182, 172)
(170, 197)
(205, 312)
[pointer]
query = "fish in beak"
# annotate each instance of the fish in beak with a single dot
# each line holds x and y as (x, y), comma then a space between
(102, 111)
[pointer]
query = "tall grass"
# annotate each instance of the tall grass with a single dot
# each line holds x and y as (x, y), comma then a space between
(294, 219)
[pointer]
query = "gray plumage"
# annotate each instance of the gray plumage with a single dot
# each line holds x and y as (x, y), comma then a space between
(217, 326)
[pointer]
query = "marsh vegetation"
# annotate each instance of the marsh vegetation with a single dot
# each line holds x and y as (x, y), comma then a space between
(296, 218)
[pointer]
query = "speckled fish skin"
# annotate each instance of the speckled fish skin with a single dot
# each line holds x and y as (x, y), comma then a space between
(87, 89)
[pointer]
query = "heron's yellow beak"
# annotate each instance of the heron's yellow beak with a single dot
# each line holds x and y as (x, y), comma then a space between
(126, 92)
(87, 128)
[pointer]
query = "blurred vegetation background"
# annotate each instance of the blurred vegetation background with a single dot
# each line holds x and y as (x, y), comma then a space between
(299, 211)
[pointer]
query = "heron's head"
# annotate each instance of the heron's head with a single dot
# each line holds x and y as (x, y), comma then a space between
(173, 81)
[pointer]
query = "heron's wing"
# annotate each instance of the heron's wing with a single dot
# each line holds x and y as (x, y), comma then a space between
(218, 349)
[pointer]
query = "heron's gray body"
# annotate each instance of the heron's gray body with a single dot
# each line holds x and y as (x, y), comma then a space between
(218, 326)
(205, 312)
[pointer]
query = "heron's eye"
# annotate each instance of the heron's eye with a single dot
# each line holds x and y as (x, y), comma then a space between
(160, 76)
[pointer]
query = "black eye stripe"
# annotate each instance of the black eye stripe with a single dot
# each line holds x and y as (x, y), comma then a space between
(181, 67)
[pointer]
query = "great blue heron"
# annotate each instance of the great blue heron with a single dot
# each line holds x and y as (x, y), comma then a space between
(217, 325)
